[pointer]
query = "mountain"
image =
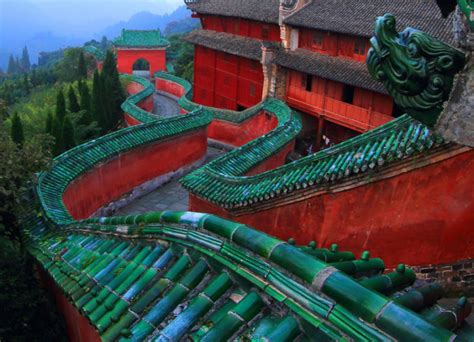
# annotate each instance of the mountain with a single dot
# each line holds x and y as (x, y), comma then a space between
(149, 21)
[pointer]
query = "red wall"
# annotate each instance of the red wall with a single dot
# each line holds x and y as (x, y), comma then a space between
(115, 177)
(242, 27)
(421, 217)
(147, 104)
(367, 111)
(226, 81)
(169, 87)
(334, 44)
(126, 59)
(240, 134)
(78, 327)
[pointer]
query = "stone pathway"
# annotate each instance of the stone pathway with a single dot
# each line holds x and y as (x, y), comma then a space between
(165, 106)
(170, 196)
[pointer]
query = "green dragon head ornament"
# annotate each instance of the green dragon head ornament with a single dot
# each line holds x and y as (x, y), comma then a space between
(416, 69)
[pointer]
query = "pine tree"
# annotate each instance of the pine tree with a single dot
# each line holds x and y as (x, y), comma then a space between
(25, 60)
(85, 104)
(73, 104)
(17, 130)
(18, 68)
(26, 84)
(56, 132)
(97, 104)
(68, 138)
(60, 106)
(11, 66)
(49, 123)
(82, 68)
(113, 89)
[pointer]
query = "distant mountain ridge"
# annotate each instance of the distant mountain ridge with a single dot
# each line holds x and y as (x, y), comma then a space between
(146, 21)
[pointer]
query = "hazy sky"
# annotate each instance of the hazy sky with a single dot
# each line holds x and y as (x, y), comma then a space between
(85, 16)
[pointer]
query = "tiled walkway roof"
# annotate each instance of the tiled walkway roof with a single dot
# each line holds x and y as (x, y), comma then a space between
(141, 38)
(260, 10)
(357, 17)
(173, 275)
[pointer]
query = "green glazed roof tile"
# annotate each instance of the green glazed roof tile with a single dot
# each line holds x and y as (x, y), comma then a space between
(141, 39)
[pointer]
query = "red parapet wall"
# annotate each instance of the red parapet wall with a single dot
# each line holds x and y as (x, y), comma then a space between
(155, 57)
(118, 176)
(78, 327)
(169, 87)
(240, 134)
(422, 217)
(146, 104)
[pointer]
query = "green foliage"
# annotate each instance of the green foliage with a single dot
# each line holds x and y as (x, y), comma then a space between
(25, 60)
(82, 68)
(67, 69)
(181, 54)
(49, 123)
(73, 104)
(85, 103)
(68, 137)
(113, 94)
(29, 315)
(141, 64)
(56, 132)
(17, 130)
(97, 102)
(60, 106)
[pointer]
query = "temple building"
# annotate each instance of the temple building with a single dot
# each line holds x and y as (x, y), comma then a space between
(134, 45)
(310, 54)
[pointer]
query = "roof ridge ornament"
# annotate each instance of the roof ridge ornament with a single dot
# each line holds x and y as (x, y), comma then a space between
(416, 69)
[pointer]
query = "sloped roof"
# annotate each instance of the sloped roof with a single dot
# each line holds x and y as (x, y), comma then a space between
(261, 10)
(141, 38)
(166, 276)
(357, 17)
(333, 68)
(226, 42)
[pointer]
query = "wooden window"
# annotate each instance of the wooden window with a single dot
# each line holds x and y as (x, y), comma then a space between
(236, 26)
(252, 90)
(226, 57)
(265, 32)
(359, 47)
(348, 94)
(226, 80)
(317, 40)
(307, 82)
(203, 93)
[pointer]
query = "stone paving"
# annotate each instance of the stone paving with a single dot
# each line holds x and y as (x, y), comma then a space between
(165, 106)
(170, 196)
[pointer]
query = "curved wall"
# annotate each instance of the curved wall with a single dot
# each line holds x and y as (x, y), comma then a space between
(424, 216)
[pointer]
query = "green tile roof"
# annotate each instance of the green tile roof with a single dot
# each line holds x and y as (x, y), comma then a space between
(188, 275)
(222, 181)
(141, 39)
(98, 54)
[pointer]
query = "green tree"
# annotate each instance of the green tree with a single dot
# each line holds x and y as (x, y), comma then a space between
(25, 60)
(26, 83)
(85, 103)
(68, 138)
(49, 123)
(56, 132)
(97, 102)
(11, 66)
(73, 104)
(113, 90)
(17, 130)
(60, 106)
(82, 68)
(22, 299)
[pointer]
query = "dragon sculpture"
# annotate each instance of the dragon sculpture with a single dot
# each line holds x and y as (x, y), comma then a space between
(417, 70)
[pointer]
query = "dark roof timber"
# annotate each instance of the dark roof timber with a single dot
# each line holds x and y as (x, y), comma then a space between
(357, 17)
(261, 10)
